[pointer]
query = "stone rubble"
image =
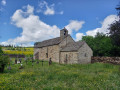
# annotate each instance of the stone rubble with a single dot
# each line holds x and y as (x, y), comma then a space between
(113, 60)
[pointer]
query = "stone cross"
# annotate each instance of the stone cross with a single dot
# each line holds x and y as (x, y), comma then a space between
(32, 61)
(50, 61)
(20, 60)
(37, 62)
(16, 61)
(42, 62)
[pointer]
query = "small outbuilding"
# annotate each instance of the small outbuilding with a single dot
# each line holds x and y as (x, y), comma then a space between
(63, 50)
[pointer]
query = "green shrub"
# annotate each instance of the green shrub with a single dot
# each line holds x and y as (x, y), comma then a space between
(1, 52)
(3, 60)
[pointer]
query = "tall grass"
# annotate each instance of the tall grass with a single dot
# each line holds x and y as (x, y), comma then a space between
(59, 76)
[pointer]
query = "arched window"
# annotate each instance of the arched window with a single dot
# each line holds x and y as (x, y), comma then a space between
(64, 32)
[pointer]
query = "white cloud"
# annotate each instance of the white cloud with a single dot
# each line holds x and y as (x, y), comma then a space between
(74, 25)
(79, 36)
(93, 32)
(33, 29)
(105, 25)
(47, 9)
(3, 2)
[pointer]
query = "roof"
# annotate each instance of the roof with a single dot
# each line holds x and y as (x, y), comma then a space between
(49, 42)
(74, 46)
(80, 43)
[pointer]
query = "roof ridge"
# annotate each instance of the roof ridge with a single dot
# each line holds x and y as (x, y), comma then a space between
(80, 42)
(49, 42)
(50, 39)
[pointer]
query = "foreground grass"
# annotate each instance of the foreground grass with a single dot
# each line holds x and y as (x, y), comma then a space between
(88, 76)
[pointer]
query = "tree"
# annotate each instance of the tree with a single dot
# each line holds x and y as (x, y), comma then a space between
(115, 36)
(100, 44)
(115, 32)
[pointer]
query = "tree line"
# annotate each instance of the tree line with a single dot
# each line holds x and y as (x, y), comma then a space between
(105, 44)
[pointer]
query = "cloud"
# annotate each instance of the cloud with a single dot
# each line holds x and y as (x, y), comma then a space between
(47, 9)
(105, 25)
(3, 2)
(33, 29)
(79, 36)
(74, 25)
(103, 29)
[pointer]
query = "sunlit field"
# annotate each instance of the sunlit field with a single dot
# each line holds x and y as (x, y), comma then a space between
(58, 76)
(25, 51)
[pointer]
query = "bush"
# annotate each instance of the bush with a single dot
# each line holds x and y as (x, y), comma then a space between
(4, 60)
(1, 52)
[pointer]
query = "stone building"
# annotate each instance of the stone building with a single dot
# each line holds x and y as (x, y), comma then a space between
(63, 50)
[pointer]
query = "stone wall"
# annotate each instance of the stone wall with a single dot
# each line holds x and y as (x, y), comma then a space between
(84, 54)
(67, 40)
(113, 60)
(69, 57)
(49, 52)
(36, 50)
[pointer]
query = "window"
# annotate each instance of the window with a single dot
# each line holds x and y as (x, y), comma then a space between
(85, 54)
(46, 55)
(64, 32)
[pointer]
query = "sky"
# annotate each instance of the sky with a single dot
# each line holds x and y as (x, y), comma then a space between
(28, 21)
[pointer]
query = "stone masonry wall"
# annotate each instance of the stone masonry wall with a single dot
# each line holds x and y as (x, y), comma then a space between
(68, 57)
(85, 54)
(53, 53)
(35, 51)
(113, 60)
(67, 40)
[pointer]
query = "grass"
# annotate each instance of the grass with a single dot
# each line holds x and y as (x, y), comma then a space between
(88, 76)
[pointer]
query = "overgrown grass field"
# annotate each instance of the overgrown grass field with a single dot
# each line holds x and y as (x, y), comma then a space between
(59, 77)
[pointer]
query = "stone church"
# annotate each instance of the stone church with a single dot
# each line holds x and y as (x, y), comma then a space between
(63, 50)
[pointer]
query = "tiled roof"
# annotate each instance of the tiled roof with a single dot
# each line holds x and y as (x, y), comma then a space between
(73, 46)
(50, 42)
